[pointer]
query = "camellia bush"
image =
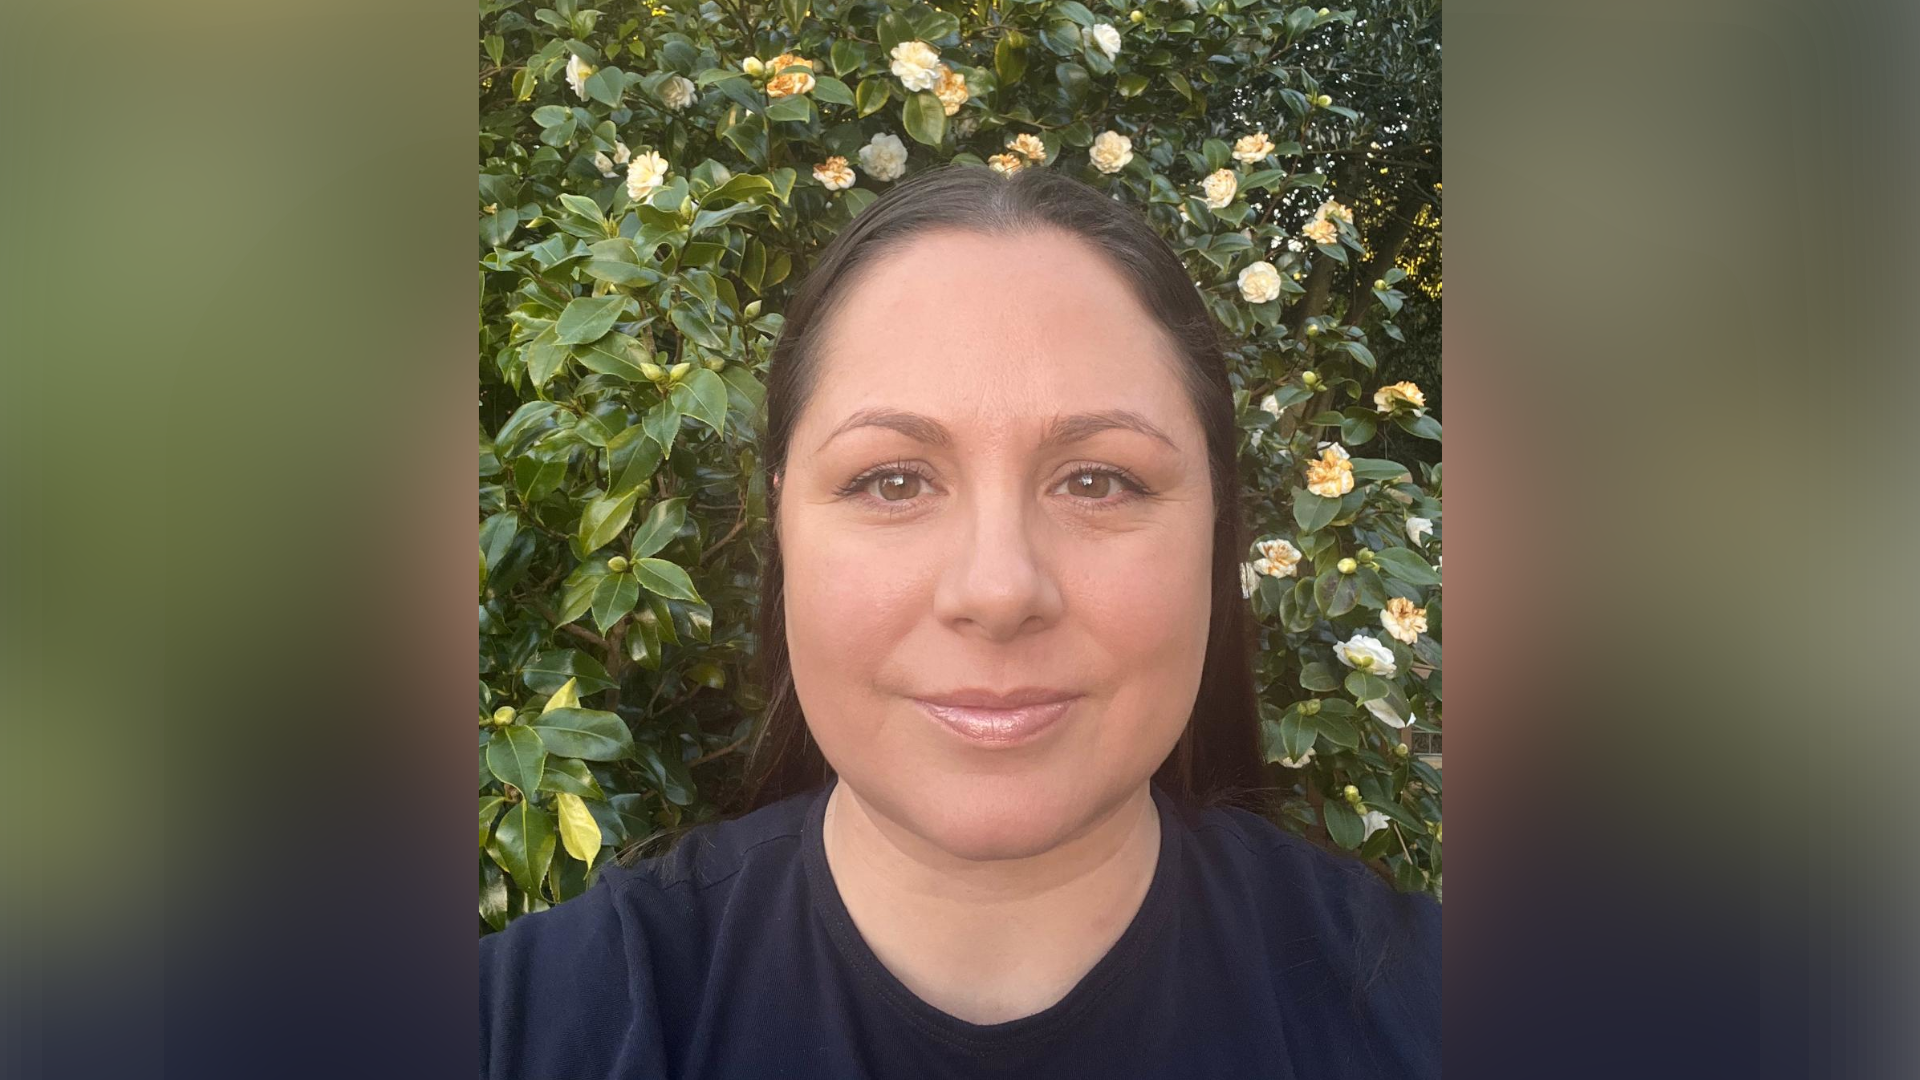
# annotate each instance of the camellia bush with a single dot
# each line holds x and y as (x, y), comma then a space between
(653, 182)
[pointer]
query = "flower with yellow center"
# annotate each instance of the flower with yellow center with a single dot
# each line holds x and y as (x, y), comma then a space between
(1029, 145)
(577, 72)
(787, 83)
(1402, 620)
(1110, 151)
(1281, 557)
(1220, 188)
(1259, 283)
(834, 173)
(1331, 476)
(1252, 148)
(1399, 395)
(951, 89)
(916, 64)
(645, 175)
(1321, 231)
(1007, 164)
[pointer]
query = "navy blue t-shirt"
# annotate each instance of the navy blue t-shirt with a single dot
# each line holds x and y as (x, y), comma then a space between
(1254, 954)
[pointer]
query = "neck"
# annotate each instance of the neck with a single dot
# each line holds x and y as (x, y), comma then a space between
(990, 940)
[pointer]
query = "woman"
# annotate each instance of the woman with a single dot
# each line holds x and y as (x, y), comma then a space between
(1011, 685)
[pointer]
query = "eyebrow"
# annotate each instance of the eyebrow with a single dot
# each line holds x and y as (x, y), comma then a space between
(1061, 431)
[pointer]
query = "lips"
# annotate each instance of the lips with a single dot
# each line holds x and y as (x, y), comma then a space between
(1001, 719)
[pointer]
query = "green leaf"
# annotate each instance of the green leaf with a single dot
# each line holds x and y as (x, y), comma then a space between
(1296, 735)
(1378, 469)
(847, 54)
(663, 578)
(632, 458)
(547, 672)
(894, 29)
(690, 320)
(1365, 687)
(548, 115)
(1405, 565)
(606, 85)
(584, 733)
(497, 228)
(1363, 354)
(545, 354)
(604, 517)
(705, 399)
(1311, 511)
(1010, 57)
(496, 538)
(871, 95)
(610, 356)
(578, 831)
(666, 775)
(793, 107)
(613, 598)
(587, 318)
(1343, 825)
(925, 118)
(582, 207)
(1357, 430)
(1422, 426)
(828, 88)
(1317, 676)
(516, 756)
(523, 844)
(664, 521)
(570, 775)
(662, 424)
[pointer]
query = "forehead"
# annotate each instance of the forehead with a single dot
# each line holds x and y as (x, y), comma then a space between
(963, 326)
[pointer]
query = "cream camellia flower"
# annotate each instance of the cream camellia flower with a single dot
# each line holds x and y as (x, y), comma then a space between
(1110, 151)
(1321, 231)
(677, 93)
(1220, 187)
(1332, 209)
(1252, 148)
(1104, 37)
(577, 72)
(1404, 621)
(621, 153)
(1300, 762)
(1335, 449)
(1384, 713)
(834, 173)
(1249, 580)
(788, 83)
(917, 64)
(1418, 527)
(1281, 555)
(605, 165)
(884, 157)
(1259, 283)
(1006, 164)
(645, 174)
(1374, 820)
(1028, 145)
(951, 88)
(1396, 395)
(1366, 654)
(1270, 405)
(1331, 476)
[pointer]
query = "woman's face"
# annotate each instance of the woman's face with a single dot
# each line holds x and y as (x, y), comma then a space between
(976, 499)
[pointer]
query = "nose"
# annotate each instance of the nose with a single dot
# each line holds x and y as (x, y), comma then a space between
(999, 581)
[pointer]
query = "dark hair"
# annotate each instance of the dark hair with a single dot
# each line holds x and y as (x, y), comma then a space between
(1217, 758)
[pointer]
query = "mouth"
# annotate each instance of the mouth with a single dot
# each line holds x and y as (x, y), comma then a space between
(998, 720)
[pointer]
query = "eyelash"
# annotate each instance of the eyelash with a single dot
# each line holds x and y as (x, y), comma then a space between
(1138, 490)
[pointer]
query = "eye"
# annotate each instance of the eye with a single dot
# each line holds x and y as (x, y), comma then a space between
(1102, 485)
(894, 483)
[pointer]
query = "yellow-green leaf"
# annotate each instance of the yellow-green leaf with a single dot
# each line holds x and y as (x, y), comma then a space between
(578, 831)
(604, 517)
(567, 697)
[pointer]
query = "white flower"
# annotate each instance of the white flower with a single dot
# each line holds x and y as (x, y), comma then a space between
(884, 157)
(1260, 283)
(917, 64)
(1299, 762)
(834, 173)
(1254, 437)
(1374, 821)
(1111, 151)
(754, 66)
(1220, 187)
(1385, 714)
(1252, 148)
(645, 174)
(1281, 557)
(605, 165)
(577, 72)
(1270, 404)
(1186, 217)
(1337, 450)
(621, 153)
(1418, 527)
(1367, 654)
(677, 93)
(1249, 580)
(1104, 37)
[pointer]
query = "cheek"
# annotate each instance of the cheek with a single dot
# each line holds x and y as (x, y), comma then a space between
(847, 605)
(1147, 610)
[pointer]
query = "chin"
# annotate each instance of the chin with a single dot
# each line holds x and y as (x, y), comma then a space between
(986, 818)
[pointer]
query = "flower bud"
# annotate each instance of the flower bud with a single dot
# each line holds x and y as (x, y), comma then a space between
(713, 363)
(1136, 15)
(1322, 13)
(752, 310)
(503, 716)
(1350, 793)
(1309, 378)
(1436, 830)
(678, 371)
(1400, 749)
(1323, 101)
(1346, 566)
(1313, 329)
(1365, 555)
(618, 564)
(1310, 707)
(753, 66)
(686, 208)
(1380, 284)
(653, 372)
